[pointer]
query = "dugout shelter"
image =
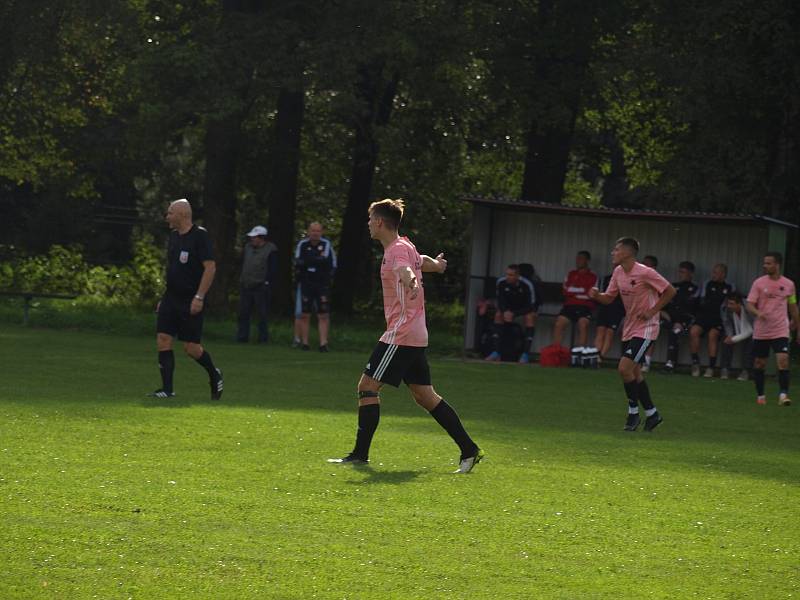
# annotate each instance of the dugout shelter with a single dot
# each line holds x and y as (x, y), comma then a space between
(548, 236)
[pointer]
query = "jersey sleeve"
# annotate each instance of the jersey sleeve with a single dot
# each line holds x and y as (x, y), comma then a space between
(205, 249)
(657, 281)
(401, 257)
(752, 296)
(613, 287)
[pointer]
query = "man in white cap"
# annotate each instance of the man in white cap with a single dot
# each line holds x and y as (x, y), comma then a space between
(259, 266)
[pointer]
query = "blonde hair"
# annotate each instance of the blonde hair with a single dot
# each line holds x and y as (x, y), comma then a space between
(389, 210)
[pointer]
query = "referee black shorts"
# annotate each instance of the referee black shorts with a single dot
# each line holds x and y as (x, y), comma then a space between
(176, 320)
(392, 364)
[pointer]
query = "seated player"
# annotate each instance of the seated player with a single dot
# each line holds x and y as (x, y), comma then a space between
(609, 317)
(709, 321)
(738, 329)
(578, 305)
(680, 312)
(516, 297)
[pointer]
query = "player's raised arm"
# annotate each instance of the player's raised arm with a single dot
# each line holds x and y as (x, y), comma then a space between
(434, 265)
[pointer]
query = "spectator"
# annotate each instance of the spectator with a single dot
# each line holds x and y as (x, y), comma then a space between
(315, 265)
(609, 317)
(680, 313)
(259, 266)
(577, 304)
(738, 329)
(650, 261)
(516, 297)
(708, 320)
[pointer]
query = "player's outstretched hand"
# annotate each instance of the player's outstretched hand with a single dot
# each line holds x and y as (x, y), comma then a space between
(441, 262)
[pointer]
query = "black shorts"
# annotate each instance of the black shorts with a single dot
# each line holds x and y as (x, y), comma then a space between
(574, 313)
(761, 348)
(636, 348)
(315, 298)
(708, 322)
(175, 320)
(519, 312)
(610, 316)
(684, 319)
(392, 364)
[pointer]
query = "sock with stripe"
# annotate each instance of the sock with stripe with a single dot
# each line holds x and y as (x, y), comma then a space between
(758, 379)
(166, 364)
(448, 419)
(632, 393)
(369, 415)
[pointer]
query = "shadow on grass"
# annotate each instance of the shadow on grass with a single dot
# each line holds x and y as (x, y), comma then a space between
(376, 477)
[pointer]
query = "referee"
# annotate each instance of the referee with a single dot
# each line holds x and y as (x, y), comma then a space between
(190, 271)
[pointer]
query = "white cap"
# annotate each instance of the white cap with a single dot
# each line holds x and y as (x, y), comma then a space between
(257, 230)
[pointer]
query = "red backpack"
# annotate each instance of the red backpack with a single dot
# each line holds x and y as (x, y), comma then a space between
(554, 356)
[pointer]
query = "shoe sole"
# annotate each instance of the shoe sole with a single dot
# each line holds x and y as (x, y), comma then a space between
(478, 458)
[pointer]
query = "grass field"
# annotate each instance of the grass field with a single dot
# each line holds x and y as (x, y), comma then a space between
(105, 494)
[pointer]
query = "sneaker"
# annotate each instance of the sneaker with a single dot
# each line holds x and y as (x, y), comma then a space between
(784, 400)
(216, 386)
(743, 376)
(159, 393)
(695, 370)
(652, 421)
(296, 343)
(324, 348)
(305, 347)
(632, 422)
(669, 368)
(645, 368)
(493, 357)
(467, 464)
(723, 373)
(524, 359)
(762, 400)
(350, 459)
(708, 374)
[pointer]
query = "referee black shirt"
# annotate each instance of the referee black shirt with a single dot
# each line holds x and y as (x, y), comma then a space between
(185, 256)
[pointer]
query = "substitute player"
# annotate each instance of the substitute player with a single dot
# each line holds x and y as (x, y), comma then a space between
(400, 353)
(771, 298)
(644, 293)
(190, 272)
(516, 297)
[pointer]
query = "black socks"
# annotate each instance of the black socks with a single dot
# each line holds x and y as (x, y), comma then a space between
(644, 396)
(695, 358)
(712, 361)
(448, 419)
(369, 415)
(529, 331)
(783, 381)
(758, 379)
(166, 364)
(205, 362)
(632, 393)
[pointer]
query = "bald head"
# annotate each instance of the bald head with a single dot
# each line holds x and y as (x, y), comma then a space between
(179, 215)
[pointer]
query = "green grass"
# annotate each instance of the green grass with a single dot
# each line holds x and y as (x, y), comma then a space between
(106, 494)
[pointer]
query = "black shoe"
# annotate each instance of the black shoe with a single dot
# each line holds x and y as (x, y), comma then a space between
(632, 422)
(350, 459)
(159, 393)
(216, 386)
(324, 348)
(668, 370)
(652, 421)
(305, 347)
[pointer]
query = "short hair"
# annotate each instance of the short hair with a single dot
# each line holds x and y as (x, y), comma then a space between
(735, 296)
(586, 254)
(776, 255)
(514, 267)
(722, 266)
(630, 242)
(653, 259)
(688, 265)
(389, 210)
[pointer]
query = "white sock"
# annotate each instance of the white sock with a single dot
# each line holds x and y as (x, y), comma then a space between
(633, 411)
(650, 412)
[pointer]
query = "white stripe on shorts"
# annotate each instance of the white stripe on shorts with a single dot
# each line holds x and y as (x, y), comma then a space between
(642, 350)
(387, 358)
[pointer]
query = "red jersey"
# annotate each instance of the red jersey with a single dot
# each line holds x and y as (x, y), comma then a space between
(577, 286)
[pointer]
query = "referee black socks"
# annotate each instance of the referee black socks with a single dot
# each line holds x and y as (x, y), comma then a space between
(448, 419)
(369, 415)
(166, 364)
(206, 362)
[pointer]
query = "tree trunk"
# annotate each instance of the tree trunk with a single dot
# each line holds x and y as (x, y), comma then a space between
(546, 162)
(282, 193)
(219, 203)
(377, 97)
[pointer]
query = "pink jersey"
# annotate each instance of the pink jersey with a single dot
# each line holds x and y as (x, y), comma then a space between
(405, 318)
(770, 297)
(640, 288)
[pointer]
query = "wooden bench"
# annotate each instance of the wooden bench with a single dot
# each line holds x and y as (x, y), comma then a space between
(29, 296)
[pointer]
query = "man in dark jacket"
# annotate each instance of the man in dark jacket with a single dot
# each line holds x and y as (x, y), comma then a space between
(258, 269)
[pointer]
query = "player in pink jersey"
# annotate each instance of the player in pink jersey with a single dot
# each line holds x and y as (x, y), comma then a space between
(771, 298)
(400, 353)
(644, 293)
